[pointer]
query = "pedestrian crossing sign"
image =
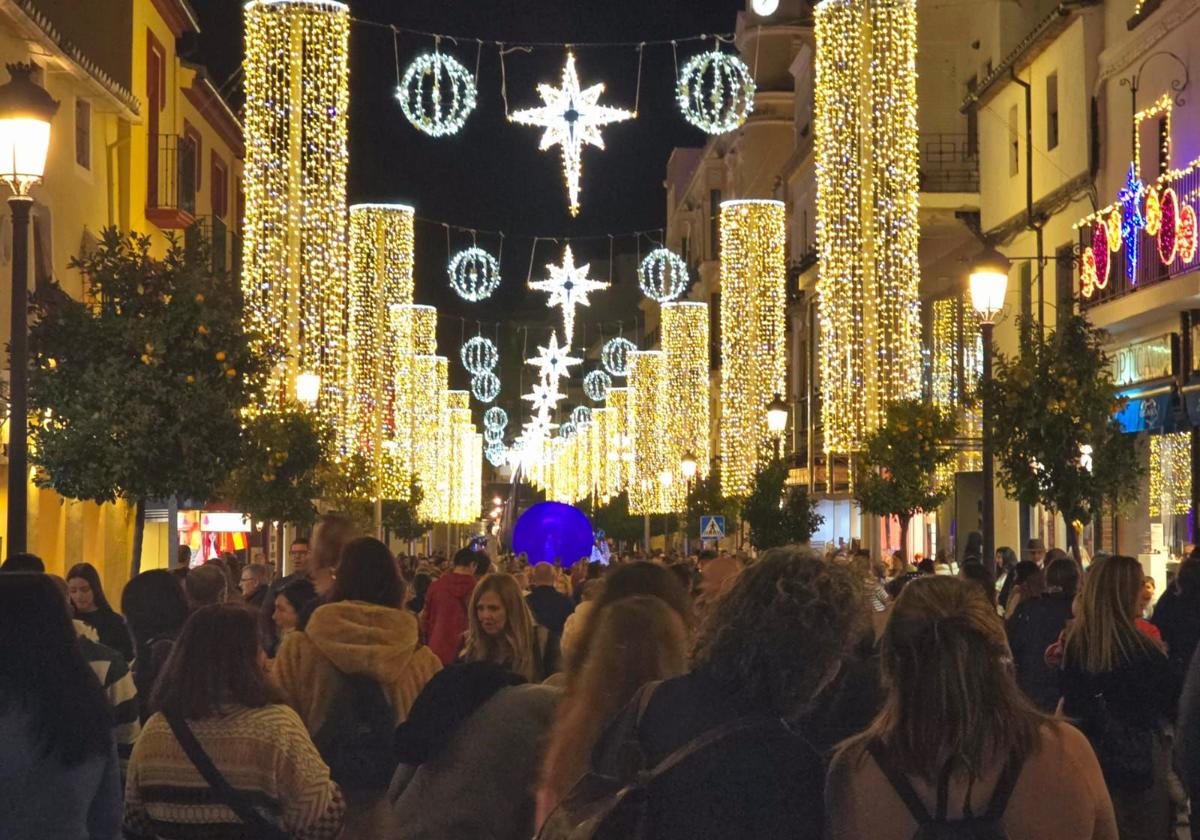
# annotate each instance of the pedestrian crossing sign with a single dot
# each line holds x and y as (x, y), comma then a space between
(712, 527)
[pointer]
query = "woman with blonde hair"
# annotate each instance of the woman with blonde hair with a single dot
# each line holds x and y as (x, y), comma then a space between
(331, 533)
(1118, 684)
(957, 742)
(502, 631)
(636, 640)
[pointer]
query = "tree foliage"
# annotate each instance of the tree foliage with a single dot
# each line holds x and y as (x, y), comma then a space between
(1045, 406)
(281, 468)
(778, 514)
(705, 499)
(615, 520)
(139, 389)
(349, 488)
(897, 473)
(400, 515)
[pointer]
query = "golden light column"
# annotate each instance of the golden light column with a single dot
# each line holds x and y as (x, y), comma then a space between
(753, 340)
(867, 201)
(650, 452)
(685, 357)
(457, 455)
(381, 280)
(619, 441)
(294, 250)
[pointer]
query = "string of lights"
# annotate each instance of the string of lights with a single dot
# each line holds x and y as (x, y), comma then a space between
(685, 356)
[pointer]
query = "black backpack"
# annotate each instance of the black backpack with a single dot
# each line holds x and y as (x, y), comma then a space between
(988, 826)
(356, 738)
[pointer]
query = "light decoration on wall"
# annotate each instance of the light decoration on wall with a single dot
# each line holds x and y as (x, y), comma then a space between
(568, 287)
(474, 274)
(572, 119)
(715, 92)
(686, 389)
(485, 386)
(294, 249)
(867, 213)
(554, 362)
(479, 355)
(596, 385)
(495, 418)
(615, 355)
(663, 275)
(381, 281)
(437, 94)
(753, 341)
(1152, 208)
(1170, 474)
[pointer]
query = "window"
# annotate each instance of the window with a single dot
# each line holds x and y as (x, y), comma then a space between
(83, 133)
(972, 120)
(220, 186)
(1014, 143)
(1052, 111)
(1064, 281)
(685, 249)
(714, 224)
(1027, 290)
(191, 134)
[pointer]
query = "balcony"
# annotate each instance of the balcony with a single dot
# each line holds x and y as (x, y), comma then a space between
(948, 164)
(171, 182)
(225, 245)
(1150, 269)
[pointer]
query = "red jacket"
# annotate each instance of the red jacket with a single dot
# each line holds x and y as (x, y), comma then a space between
(444, 618)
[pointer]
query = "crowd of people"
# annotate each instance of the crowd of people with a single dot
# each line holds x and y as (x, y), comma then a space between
(795, 694)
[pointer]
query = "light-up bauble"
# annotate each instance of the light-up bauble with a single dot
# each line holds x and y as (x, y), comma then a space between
(567, 430)
(663, 275)
(715, 92)
(495, 418)
(496, 454)
(479, 355)
(1101, 249)
(485, 386)
(552, 532)
(568, 286)
(596, 385)
(437, 94)
(1168, 228)
(615, 355)
(1187, 233)
(764, 8)
(581, 415)
(572, 119)
(474, 274)
(493, 435)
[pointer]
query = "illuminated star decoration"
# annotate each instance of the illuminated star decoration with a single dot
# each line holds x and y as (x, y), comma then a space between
(553, 362)
(568, 287)
(1132, 221)
(572, 119)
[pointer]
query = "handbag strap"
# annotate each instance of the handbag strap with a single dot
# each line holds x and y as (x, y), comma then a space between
(237, 801)
(707, 739)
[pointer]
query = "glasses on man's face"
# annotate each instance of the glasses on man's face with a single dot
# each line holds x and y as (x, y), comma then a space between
(298, 552)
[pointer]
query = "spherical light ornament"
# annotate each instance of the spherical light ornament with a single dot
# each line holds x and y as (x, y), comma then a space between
(581, 415)
(493, 435)
(495, 418)
(567, 430)
(437, 94)
(615, 356)
(474, 274)
(496, 454)
(479, 355)
(663, 275)
(553, 532)
(485, 386)
(596, 385)
(764, 8)
(715, 92)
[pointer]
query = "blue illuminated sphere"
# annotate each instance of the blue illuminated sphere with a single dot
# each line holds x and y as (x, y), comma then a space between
(551, 531)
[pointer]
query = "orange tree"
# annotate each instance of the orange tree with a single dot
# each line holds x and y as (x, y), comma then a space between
(776, 513)
(897, 471)
(138, 390)
(1047, 406)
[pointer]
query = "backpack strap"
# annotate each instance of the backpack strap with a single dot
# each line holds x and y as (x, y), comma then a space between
(707, 739)
(900, 784)
(1004, 788)
(236, 800)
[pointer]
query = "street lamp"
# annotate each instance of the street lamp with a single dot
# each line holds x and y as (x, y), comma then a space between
(687, 466)
(777, 417)
(989, 281)
(308, 388)
(665, 479)
(25, 113)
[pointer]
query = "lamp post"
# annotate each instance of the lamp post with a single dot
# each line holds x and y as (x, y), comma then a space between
(989, 281)
(25, 113)
(777, 417)
(665, 478)
(687, 466)
(646, 485)
(308, 388)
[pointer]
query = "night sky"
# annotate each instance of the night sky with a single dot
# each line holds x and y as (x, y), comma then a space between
(491, 174)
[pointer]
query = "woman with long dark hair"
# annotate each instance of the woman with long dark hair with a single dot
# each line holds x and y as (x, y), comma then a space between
(1118, 684)
(59, 775)
(956, 737)
(89, 605)
(502, 631)
(156, 608)
(214, 702)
